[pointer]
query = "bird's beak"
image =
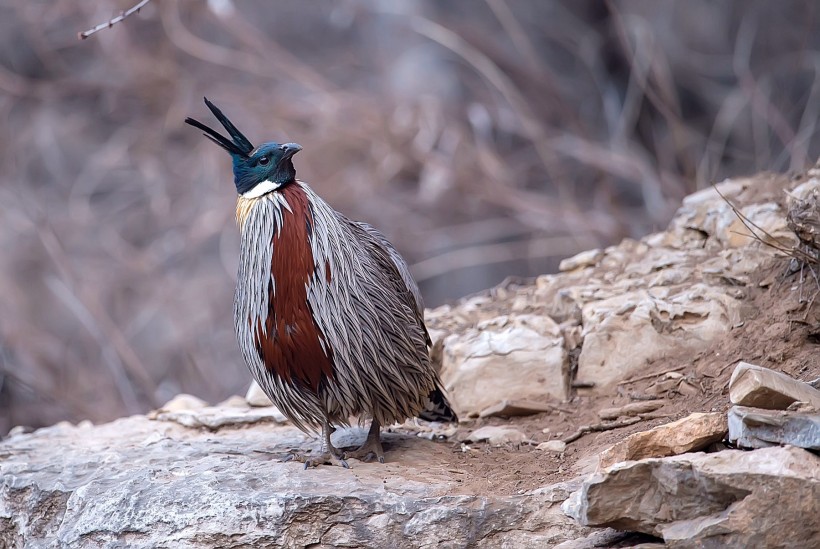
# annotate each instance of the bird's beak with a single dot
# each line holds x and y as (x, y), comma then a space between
(291, 148)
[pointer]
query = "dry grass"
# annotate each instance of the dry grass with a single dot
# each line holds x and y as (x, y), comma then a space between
(485, 138)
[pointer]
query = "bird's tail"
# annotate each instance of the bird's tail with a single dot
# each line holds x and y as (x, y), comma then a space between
(438, 408)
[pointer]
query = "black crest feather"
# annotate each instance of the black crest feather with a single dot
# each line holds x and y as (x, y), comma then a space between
(238, 145)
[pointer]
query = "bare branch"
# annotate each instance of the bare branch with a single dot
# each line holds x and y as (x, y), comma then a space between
(110, 23)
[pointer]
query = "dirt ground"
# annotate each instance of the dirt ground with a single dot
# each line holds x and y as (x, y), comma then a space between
(781, 330)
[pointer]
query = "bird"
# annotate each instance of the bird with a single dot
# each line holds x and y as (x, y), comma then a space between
(327, 315)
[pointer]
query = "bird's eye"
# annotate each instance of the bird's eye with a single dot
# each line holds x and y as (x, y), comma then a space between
(263, 161)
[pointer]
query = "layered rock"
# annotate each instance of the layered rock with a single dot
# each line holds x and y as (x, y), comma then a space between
(137, 482)
(765, 498)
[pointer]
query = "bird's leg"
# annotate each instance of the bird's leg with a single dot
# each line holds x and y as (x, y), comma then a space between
(328, 453)
(372, 447)
(328, 430)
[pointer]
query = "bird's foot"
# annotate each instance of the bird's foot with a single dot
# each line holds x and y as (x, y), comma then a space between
(318, 459)
(372, 448)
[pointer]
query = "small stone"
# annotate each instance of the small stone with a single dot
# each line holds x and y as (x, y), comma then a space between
(557, 446)
(589, 258)
(234, 401)
(183, 402)
(256, 396)
(19, 430)
(802, 407)
(497, 435)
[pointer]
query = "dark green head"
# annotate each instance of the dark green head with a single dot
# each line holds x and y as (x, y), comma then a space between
(256, 171)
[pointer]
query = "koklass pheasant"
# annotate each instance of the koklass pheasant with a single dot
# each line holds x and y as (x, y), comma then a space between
(327, 316)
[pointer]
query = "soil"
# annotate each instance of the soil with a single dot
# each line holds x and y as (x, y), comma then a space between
(781, 331)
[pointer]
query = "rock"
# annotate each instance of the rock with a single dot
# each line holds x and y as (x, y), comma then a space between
(708, 213)
(692, 433)
(256, 396)
(631, 409)
(588, 258)
(216, 417)
(764, 498)
(430, 430)
(618, 309)
(608, 538)
(183, 402)
(510, 408)
(143, 484)
(504, 358)
(802, 407)
(624, 332)
(497, 435)
(759, 428)
(804, 213)
(557, 446)
(758, 387)
(234, 401)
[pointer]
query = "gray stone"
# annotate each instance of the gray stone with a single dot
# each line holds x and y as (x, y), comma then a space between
(763, 498)
(140, 483)
(758, 428)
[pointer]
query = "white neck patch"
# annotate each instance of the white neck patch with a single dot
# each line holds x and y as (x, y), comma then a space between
(262, 188)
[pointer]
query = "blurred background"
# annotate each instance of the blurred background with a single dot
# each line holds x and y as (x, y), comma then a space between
(486, 138)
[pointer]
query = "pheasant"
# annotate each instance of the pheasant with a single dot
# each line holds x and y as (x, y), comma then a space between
(327, 316)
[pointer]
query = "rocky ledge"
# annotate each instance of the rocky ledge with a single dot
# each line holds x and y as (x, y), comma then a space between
(138, 482)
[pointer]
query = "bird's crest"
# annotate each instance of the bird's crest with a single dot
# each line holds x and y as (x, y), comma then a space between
(238, 144)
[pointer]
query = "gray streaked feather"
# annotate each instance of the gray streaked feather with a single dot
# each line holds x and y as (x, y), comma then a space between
(371, 316)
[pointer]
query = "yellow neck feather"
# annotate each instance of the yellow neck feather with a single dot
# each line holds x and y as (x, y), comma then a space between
(243, 209)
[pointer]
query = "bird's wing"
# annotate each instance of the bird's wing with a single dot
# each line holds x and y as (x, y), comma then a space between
(396, 269)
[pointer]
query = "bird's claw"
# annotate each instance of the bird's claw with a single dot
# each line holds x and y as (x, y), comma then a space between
(367, 451)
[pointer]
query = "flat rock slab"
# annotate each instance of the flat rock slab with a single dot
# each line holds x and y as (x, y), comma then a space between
(762, 498)
(692, 433)
(758, 428)
(138, 483)
(759, 387)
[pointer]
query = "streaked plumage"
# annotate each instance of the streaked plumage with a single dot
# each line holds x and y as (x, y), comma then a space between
(327, 316)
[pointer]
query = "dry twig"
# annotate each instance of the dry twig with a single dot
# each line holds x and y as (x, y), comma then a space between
(653, 374)
(600, 427)
(111, 22)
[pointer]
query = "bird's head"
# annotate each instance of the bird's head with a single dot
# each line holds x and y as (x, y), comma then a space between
(256, 170)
